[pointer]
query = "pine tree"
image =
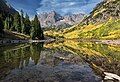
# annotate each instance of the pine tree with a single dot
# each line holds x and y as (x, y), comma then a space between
(2, 18)
(12, 28)
(11, 22)
(6, 25)
(27, 25)
(39, 32)
(22, 22)
(36, 31)
(1, 25)
(17, 22)
(32, 34)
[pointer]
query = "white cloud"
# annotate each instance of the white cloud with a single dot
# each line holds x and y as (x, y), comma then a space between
(72, 3)
(67, 6)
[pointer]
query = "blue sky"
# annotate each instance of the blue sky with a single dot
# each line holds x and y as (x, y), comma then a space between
(61, 6)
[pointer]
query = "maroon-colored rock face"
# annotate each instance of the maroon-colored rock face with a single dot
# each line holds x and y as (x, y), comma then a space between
(55, 19)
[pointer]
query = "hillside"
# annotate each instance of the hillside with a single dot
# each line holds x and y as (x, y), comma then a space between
(107, 30)
(6, 8)
(103, 11)
(17, 25)
(102, 23)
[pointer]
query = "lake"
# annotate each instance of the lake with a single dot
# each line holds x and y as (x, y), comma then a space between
(60, 61)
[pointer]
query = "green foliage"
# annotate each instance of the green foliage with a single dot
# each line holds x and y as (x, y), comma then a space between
(27, 25)
(8, 22)
(22, 22)
(11, 20)
(108, 30)
(1, 22)
(14, 54)
(1, 25)
(36, 31)
(17, 24)
(32, 34)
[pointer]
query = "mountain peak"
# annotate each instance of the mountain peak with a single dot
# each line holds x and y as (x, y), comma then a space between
(54, 19)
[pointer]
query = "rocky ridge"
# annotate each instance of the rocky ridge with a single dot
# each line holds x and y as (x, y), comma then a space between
(53, 19)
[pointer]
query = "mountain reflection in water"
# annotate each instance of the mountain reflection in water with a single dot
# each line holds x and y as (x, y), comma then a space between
(66, 61)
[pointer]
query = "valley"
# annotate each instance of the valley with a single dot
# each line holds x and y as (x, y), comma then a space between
(95, 26)
(60, 41)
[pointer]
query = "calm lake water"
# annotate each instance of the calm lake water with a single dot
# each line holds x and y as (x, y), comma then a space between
(61, 61)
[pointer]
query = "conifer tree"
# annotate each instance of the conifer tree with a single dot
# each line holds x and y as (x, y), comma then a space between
(36, 31)
(6, 25)
(1, 25)
(32, 34)
(22, 22)
(27, 26)
(8, 22)
(17, 22)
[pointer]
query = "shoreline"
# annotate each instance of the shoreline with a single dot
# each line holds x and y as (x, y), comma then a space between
(8, 41)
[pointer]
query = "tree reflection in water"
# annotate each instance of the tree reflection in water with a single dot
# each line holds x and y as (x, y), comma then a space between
(60, 60)
(19, 56)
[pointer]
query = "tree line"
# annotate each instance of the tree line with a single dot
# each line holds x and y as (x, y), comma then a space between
(21, 24)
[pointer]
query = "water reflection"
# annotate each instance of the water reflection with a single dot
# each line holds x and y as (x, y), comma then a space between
(66, 61)
(18, 56)
(101, 57)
